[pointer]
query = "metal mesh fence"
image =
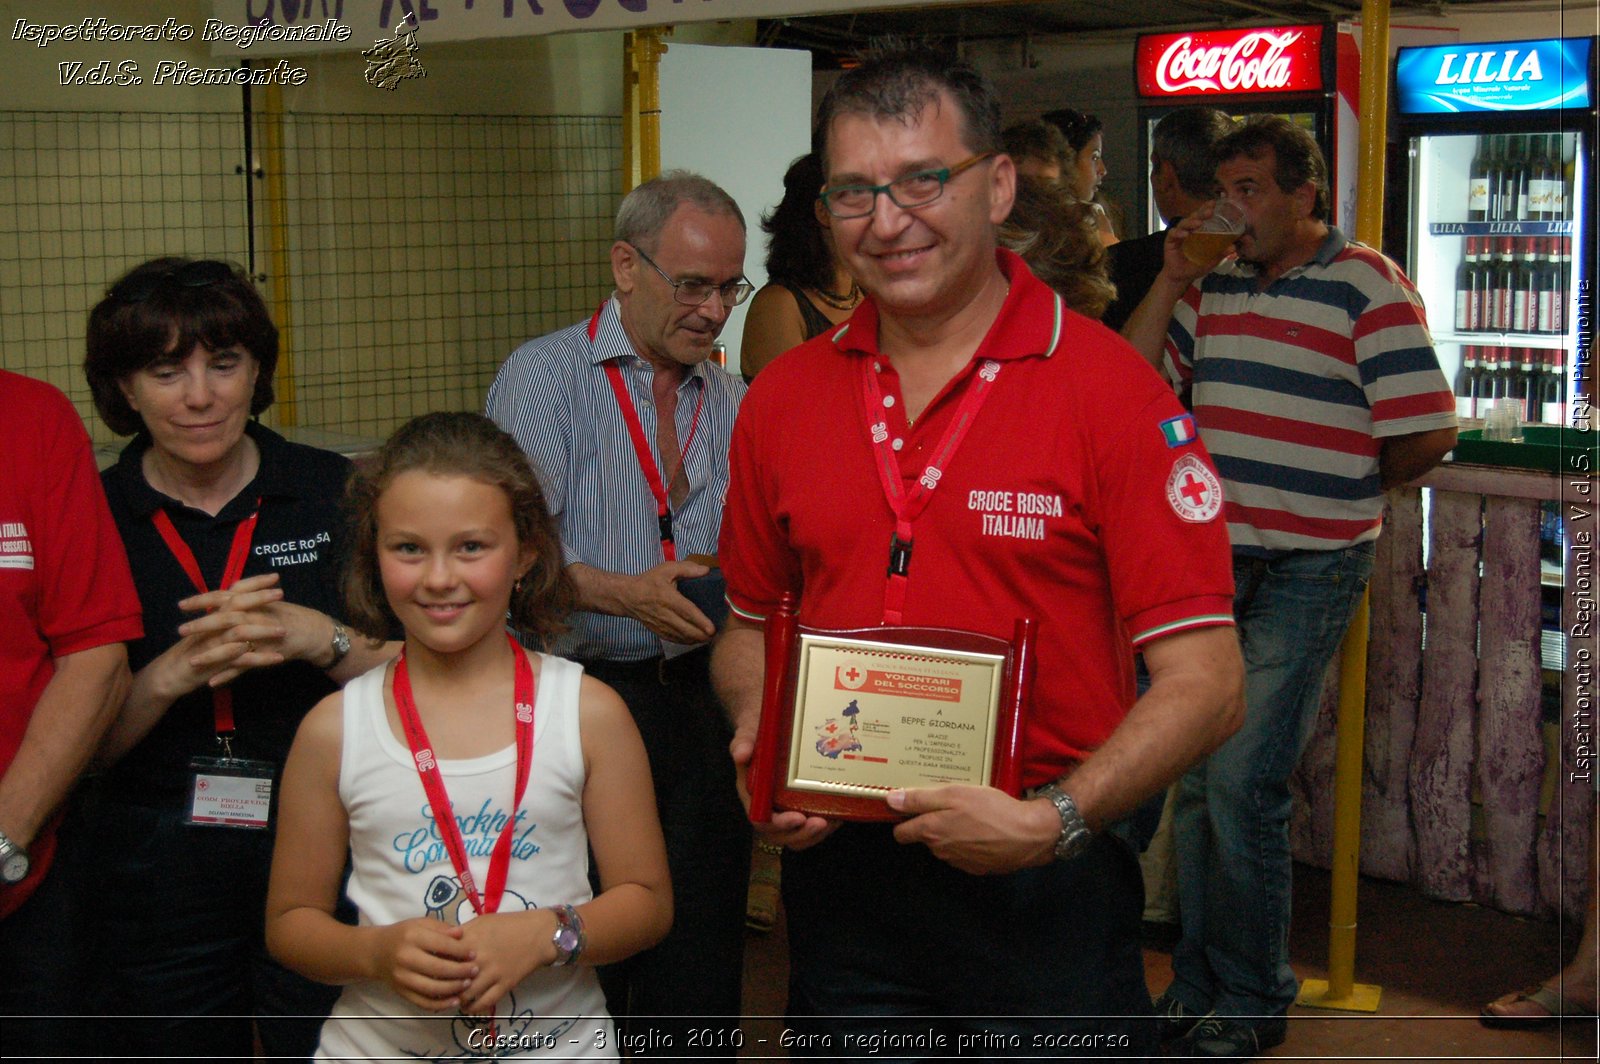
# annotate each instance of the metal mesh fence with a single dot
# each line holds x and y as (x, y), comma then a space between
(421, 250)
(83, 197)
(404, 256)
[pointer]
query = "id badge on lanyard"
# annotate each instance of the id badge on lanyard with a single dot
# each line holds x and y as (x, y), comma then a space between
(226, 791)
(230, 792)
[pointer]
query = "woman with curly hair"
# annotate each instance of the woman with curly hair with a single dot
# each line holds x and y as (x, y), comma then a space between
(1055, 235)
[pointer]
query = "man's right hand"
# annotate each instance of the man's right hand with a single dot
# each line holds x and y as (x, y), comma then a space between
(788, 827)
(1146, 327)
(1176, 267)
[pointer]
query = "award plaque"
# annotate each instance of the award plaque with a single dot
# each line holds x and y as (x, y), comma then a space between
(848, 716)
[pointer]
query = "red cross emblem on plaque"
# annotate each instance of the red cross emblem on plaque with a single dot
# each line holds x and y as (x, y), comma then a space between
(849, 677)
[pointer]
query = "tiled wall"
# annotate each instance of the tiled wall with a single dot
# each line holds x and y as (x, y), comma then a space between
(419, 250)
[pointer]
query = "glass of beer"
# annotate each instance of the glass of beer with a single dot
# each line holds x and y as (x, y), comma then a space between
(1207, 245)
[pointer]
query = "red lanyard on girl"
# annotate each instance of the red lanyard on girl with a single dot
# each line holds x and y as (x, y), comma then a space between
(908, 507)
(433, 781)
(238, 552)
(647, 462)
(439, 800)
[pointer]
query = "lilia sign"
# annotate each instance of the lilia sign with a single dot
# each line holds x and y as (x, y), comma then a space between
(1498, 76)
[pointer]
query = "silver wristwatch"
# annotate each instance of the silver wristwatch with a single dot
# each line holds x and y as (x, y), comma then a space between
(13, 861)
(341, 644)
(569, 938)
(1075, 834)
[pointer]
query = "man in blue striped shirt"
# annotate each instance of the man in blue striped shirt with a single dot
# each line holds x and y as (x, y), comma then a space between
(628, 424)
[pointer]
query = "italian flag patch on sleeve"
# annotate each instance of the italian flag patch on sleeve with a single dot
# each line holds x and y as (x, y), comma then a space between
(1179, 430)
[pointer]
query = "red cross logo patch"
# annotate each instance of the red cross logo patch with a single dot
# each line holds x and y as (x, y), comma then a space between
(1193, 490)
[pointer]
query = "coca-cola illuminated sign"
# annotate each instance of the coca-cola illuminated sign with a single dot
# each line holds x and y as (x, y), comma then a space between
(1230, 62)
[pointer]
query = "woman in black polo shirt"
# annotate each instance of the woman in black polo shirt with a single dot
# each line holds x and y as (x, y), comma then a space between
(181, 355)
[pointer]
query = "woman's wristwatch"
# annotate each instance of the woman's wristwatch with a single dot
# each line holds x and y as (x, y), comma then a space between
(341, 644)
(569, 938)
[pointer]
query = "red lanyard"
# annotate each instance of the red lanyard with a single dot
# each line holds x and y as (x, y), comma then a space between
(238, 552)
(433, 779)
(647, 462)
(908, 507)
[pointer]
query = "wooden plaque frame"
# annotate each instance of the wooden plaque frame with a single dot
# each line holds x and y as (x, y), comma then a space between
(769, 779)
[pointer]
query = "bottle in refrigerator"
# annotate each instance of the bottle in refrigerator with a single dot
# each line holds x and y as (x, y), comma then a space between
(1501, 282)
(1523, 182)
(1553, 389)
(1478, 306)
(1507, 373)
(1548, 314)
(1512, 180)
(1466, 382)
(1485, 383)
(1466, 279)
(1478, 182)
(1524, 294)
(1541, 182)
(1496, 178)
(1528, 384)
(1562, 279)
(1511, 384)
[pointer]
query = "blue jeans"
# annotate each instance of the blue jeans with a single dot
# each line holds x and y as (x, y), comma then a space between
(1231, 816)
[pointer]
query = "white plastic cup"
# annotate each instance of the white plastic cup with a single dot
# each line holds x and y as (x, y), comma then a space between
(1504, 423)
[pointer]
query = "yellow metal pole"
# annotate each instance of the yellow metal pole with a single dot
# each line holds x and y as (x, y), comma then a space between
(630, 113)
(1374, 138)
(1340, 990)
(650, 47)
(277, 234)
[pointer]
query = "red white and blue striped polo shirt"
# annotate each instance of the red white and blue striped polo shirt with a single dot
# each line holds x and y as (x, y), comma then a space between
(1296, 386)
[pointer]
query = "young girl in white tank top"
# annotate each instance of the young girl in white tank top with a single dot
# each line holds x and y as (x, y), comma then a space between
(478, 931)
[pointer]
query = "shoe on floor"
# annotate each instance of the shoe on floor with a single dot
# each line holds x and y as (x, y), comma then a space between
(1174, 1017)
(1551, 1005)
(1230, 1037)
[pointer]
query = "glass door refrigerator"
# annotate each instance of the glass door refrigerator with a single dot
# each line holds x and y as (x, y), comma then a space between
(1500, 216)
(1309, 74)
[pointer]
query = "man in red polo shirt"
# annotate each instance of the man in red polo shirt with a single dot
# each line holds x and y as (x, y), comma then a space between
(67, 605)
(1039, 469)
